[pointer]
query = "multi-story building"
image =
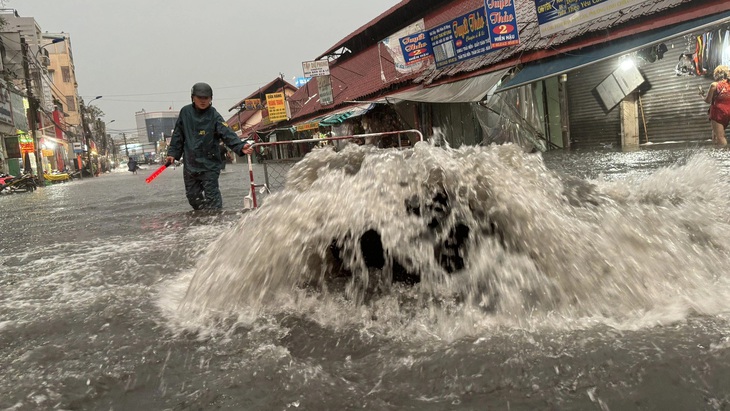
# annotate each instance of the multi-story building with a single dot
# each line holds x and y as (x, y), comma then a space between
(26, 63)
(154, 130)
(57, 56)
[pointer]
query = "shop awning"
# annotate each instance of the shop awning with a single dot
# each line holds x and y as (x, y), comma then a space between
(463, 91)
(580, 58)
(340, 116)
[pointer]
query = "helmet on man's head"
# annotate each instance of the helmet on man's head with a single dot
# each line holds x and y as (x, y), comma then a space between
(201, 90)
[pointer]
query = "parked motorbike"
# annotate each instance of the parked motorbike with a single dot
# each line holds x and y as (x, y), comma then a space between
(11, 184)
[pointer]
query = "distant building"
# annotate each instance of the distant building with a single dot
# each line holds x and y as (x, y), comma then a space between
(48, 60)
(155, 127)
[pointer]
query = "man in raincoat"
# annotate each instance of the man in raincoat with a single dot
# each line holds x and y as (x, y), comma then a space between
(198, 131)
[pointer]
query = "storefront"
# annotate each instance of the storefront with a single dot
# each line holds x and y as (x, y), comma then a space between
(606, 108)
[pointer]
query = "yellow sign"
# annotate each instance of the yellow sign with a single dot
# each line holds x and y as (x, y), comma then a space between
(277, 105)
(46, 152)
(308, 126)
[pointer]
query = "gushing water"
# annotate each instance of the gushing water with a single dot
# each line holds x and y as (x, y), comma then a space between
(455, 241)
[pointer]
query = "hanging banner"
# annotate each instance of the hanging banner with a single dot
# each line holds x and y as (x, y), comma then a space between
(276, 104)
(324, 88)
(393, 46)
(502, 22)
(554, 16)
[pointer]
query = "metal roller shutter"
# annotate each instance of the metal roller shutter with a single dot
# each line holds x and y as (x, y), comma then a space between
(673, 109)
(590, 125)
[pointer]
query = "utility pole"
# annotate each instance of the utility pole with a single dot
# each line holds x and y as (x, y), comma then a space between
(32, 111)
(126, 149)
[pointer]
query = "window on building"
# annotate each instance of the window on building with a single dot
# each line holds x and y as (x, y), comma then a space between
(70, 103)
(66, 73)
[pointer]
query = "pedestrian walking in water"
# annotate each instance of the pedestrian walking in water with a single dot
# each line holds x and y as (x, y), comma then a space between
(198, 131)
(133, 166)
(719, 98)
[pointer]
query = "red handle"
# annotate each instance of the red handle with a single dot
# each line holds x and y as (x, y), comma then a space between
(156, 173)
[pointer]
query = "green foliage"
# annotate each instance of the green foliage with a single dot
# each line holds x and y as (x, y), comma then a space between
(94, 112)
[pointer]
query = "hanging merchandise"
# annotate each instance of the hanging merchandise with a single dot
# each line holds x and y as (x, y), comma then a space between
(699, 56)
(711, 49)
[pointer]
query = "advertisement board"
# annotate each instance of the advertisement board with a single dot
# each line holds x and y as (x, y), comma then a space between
(415, 47)
(470, 35)
(324, 88)
(554, 16)
(316, 68)
(502, 21)
(276, 104)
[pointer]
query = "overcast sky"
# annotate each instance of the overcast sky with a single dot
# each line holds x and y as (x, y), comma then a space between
(146, 54)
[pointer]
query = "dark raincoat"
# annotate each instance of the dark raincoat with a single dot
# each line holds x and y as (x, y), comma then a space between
(196, 139)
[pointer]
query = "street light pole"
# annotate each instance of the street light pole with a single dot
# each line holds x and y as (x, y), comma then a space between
(126, 149)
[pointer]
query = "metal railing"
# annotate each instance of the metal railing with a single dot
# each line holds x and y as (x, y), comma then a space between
(276, 169)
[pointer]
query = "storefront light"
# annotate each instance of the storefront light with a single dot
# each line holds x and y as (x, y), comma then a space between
(628, 64)
(49, 145)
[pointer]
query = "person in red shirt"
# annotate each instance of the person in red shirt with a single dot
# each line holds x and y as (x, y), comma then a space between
(719, 98)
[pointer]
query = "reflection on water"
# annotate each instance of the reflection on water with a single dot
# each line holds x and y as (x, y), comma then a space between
(427, 279)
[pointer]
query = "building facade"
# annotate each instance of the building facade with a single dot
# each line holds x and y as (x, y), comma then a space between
(154, 130)
(608, 79)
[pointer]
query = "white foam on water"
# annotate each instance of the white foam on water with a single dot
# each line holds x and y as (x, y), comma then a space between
(498, 242)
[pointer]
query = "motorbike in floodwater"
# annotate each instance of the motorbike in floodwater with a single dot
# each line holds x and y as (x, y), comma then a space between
(25, 183)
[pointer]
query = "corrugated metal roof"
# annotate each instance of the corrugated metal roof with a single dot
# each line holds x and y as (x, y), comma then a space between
(387, 23)
(530, 39)
(362, 75)
(358, 75)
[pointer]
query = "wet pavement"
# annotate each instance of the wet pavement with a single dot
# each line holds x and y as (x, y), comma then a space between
(84, 267)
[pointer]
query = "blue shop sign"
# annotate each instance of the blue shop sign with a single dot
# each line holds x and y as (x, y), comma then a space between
(502, 21)
(460, 39)
(415, 47)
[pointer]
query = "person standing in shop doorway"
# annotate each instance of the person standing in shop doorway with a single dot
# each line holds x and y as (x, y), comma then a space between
(198, 131)
(719, 99)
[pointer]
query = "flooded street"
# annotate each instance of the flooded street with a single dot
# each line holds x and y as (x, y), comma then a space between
(578, 281)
